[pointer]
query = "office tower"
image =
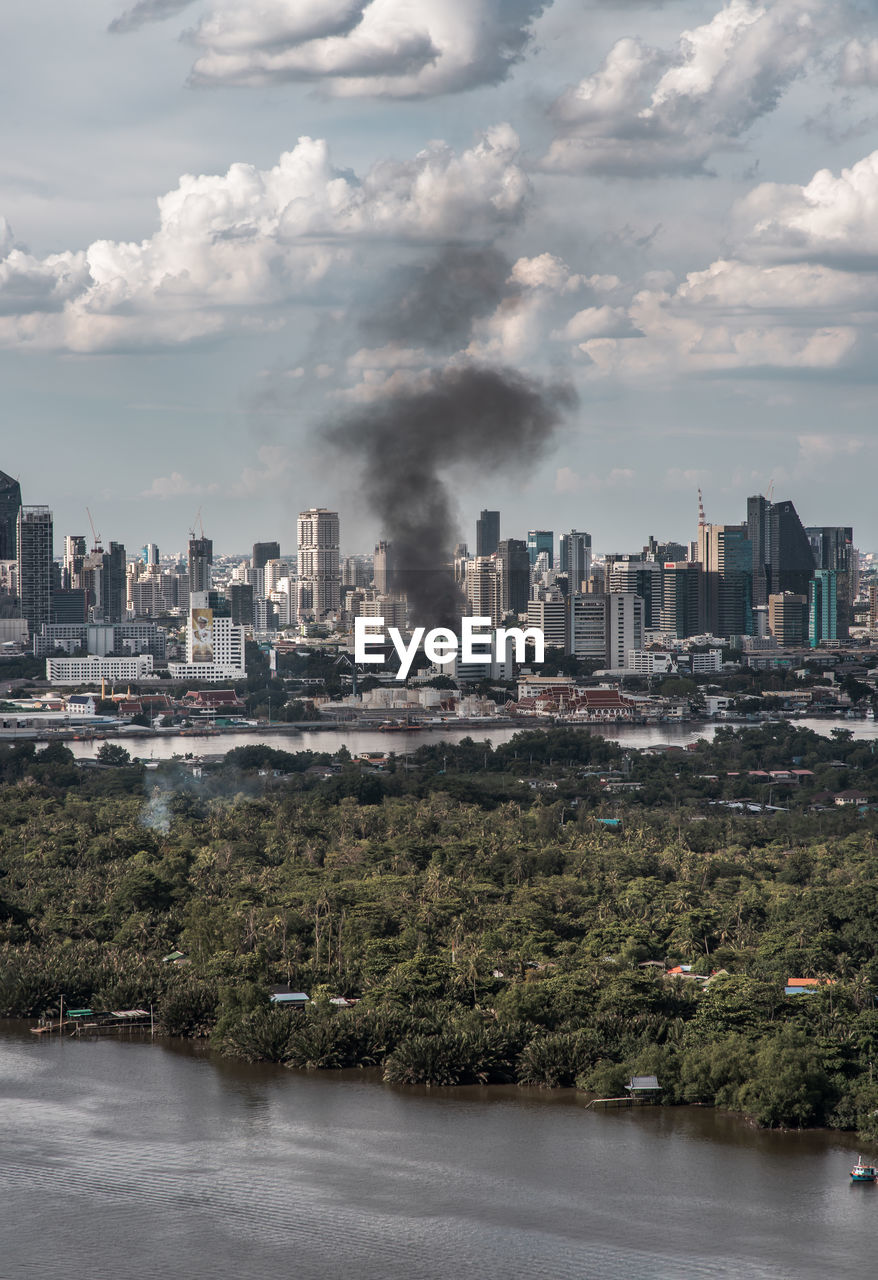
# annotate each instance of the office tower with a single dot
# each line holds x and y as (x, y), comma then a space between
(33, 540)
(484, 588)
(575, 558)
(318, 592)
(382, 568)
(487, 533)
(200, 560)
(69, 606)
(241, 602)
(680, 614)
(10, 505)
(116, 584)
(551, 618)
(516, 574)
(74, 555)
(663, 551)
(759, 535)
(263, 552)
(625, 631)
(788, 617)
(833, 548)
(540, 540)
(587, 637)
(822, 607)
(726, 559)
(643, 578)
(792, 560)
(149, 554)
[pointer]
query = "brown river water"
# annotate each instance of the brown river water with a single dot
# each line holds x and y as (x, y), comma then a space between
(130, 1160)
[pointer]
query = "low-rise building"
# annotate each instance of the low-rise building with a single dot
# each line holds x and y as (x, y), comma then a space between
(93, 670)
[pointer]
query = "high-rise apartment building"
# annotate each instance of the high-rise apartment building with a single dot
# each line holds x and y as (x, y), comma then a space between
(539, 540)
(149, 554)
(487, 533)
(382, 568)
(318, 590)
(484, 588)
(200, 560)
(822, 607)
(10, 505)
(575, 558)
(74, 555)
(34, 545)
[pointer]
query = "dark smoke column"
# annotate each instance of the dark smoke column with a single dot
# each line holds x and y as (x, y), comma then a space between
(466, 415)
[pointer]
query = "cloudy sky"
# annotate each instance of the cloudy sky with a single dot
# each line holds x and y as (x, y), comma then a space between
(227, 224)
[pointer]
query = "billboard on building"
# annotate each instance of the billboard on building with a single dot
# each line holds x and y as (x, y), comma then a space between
(202, 635)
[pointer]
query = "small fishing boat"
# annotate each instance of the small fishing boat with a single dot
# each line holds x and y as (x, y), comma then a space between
(863, 1172)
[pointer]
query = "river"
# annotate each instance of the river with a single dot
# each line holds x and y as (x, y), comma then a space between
(131, 1161)
(154, 746)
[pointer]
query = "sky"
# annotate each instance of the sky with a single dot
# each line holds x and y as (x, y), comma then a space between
(228, 227)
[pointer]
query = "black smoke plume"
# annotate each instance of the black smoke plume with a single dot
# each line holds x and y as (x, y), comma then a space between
(468, 416)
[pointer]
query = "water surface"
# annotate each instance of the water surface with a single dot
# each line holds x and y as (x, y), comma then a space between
(135, 1161)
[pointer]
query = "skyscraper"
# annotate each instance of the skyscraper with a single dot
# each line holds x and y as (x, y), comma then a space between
(680, 613)
(487, 533)
(516, 574)
(34, 537)
(540, 540)
(726, 559)
(200, 560)
(833, 548)
(792, 560)
(643, 578)
(318, 592)
(10, 505)
(822, 607)
(575, 558)
(759, 535)
(484, 588)
(263, 552)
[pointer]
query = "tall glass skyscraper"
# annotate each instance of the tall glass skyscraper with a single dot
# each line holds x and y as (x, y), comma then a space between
(10, 505)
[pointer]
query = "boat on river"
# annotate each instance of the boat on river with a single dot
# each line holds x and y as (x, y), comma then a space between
(863, 1172)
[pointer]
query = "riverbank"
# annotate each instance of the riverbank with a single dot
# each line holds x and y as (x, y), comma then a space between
(175, 1162)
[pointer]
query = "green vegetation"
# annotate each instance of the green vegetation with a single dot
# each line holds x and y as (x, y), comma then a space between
(489, 926)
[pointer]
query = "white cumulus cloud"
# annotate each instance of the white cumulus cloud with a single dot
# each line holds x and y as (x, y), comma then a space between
(380, 48)
(649, 111)
(232, 248)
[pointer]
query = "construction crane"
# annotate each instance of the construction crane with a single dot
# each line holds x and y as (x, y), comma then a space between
(769, 493)
(701, 517)
(197, 521)
(96, 545)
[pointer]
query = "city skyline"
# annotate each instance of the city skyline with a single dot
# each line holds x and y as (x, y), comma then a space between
(214, 249)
